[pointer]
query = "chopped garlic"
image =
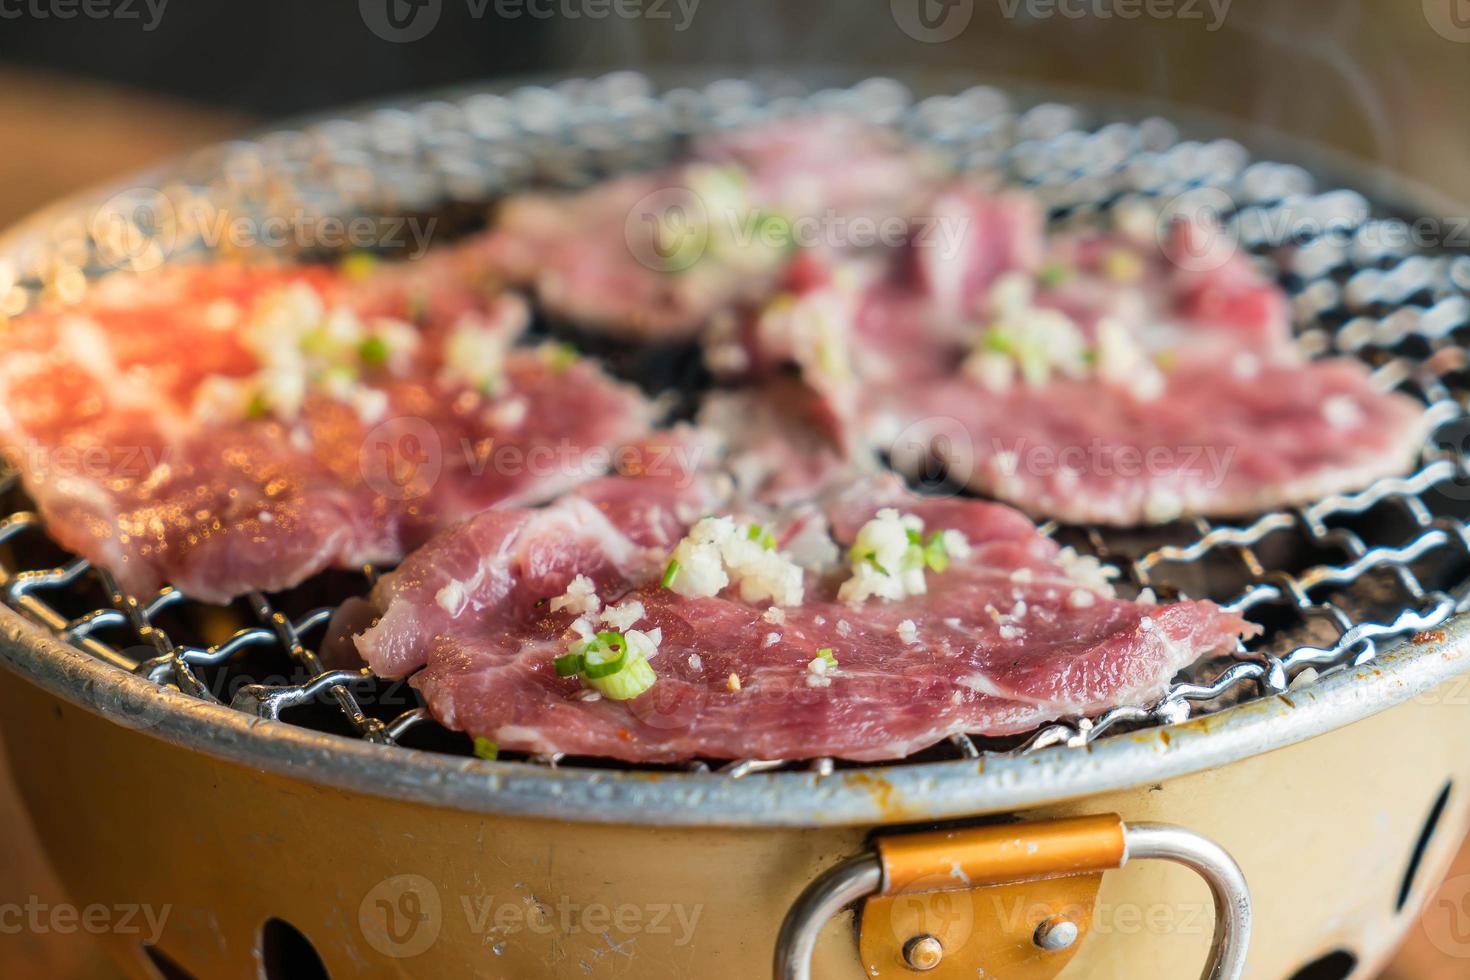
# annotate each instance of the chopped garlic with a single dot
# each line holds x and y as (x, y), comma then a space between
(1123, 362)
(452, 598)
(580, 598)
(1023, 338)
(623, 615)
(474, 354)
(771, 639)
(814, 327)
(881, 562)
(696, 662)
(776, 616)
(908, 632)
(1081, 599)
(644, 644)
(1088, 571)
(732, 683)
(1162, 505)
(1342, 412)
(717, 552)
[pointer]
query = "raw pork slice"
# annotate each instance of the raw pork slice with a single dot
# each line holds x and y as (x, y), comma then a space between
(656, 256)
(1105, 381)
(225, 429)
(1013, 632)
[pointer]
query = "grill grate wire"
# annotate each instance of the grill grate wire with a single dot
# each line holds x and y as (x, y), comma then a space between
(1401, 550)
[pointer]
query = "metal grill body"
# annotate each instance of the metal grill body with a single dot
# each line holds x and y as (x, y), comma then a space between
(1358, 591)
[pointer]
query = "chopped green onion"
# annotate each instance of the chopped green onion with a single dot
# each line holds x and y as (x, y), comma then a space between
(872, 559)
(1053, 274)
(826, 654)
(670, 573)
(373, 351)
(258, 408)
(766, 538)
(635, 677)
(936, 555)
(609, 665)
(998, 341)
(604, 656)
(486, 749)
(931, 552)
(1167, 360)
(775, 230)
(559, 356)
(359, 265)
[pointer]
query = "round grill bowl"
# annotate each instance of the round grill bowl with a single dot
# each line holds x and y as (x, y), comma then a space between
(258, 831)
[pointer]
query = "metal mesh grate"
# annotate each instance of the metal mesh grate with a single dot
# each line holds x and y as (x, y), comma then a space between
(1331, 582)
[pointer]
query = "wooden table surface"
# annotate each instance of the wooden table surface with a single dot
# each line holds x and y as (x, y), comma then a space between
(62, 136)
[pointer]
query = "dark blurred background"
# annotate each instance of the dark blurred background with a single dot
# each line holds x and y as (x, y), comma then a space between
(93, 88)
(1383, 80)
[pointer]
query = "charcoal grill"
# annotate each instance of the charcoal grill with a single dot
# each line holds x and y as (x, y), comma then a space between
(207, 759)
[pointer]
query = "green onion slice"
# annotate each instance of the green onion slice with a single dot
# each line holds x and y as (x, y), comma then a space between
(605, 655)
(670, 573)
(486, 749)
(373, 351)
(633, 679)
(568, 664)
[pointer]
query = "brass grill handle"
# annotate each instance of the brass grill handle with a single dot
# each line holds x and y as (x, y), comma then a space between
(1062, 848)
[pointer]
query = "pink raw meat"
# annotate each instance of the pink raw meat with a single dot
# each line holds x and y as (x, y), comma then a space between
(1222, 417)
(1003, 640)
(608, 259)
(106, 415)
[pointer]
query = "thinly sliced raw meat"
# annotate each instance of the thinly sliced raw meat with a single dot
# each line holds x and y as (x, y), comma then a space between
(1011, 634)
(181, 428)
(1110, 382)
(656, 256)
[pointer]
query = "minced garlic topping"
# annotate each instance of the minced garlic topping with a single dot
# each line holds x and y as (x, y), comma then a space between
(889, 556)
(580, 598)
(718, 552)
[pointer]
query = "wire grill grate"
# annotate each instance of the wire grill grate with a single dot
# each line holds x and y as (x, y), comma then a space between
(1332, 582)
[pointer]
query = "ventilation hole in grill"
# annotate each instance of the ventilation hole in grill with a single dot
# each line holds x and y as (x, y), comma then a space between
(164, 965)
(1431, 824)
(1337, 965)
(286, 953)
